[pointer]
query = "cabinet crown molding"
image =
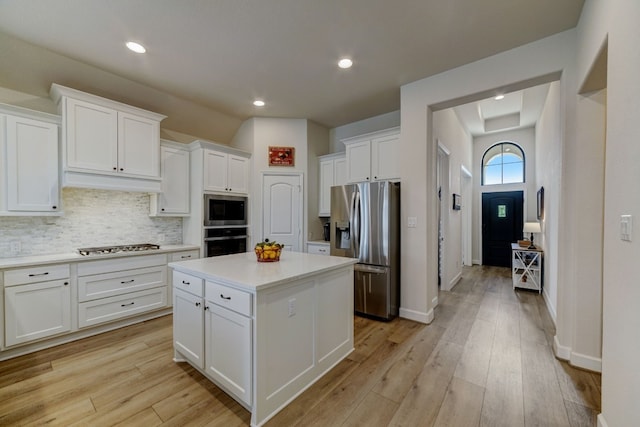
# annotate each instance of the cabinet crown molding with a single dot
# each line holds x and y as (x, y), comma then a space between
(200, 143)
(371, 135)
(31, 114)
(57, 92)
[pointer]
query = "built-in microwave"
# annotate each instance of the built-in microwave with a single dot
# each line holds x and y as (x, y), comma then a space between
(225, 210)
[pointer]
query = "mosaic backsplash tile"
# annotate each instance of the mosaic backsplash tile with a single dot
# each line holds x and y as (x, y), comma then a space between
(91, 218)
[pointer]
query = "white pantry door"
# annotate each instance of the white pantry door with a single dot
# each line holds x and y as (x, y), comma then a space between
(282, 210)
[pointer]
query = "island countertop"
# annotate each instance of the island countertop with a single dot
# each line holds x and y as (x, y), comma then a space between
(244, 271)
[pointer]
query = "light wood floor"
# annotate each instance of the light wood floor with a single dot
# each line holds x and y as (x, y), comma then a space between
(486, 360)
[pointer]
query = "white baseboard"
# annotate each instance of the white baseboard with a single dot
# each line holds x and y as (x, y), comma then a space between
(476, 262)
(586, 362)
(455, 280)
(576, 359)
(601, 421)
(417, 316)
(561, 351)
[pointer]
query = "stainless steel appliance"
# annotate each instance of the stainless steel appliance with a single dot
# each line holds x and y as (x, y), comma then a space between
(221, 210)
(224, 240)
(365, 224)
(226, 220)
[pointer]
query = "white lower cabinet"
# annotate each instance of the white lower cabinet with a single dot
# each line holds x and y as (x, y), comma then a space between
(228, 350)
(214, 332)
(108, 309)
(188, 326)
(318, 248)
(37, 310)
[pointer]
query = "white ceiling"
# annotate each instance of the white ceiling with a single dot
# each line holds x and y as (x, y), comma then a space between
(221, 54)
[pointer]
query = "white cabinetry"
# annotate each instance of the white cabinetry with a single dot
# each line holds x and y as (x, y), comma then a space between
(173, 200)
(214, 332)
(112, 289)
(228, 339)
(188, 317)
(333, 171)
(29, 155)
(37, 303)
(318, 248)
(526, 268)
(225, 172)
(373, 157)
(106, 144)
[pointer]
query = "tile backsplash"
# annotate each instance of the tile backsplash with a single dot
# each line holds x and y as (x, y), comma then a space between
(91, 218)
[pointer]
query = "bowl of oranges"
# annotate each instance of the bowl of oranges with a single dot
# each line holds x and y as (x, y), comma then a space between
(268, 251)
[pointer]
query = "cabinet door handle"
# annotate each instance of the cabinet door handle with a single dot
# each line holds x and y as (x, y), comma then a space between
(54, 207)
(38, 274)
(206, 307)
(124, 305)
(184, 282)
(162, 209)
(115, 168)
(121, 169)
(128, 281)
(223, 297)
(66, 283)
(198, 304)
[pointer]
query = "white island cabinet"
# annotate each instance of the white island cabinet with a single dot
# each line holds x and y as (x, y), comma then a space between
(263, 332)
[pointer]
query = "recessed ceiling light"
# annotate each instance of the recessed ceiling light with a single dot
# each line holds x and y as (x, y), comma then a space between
(258, 103)
(136, 47)
(499, 97)
(345, 63)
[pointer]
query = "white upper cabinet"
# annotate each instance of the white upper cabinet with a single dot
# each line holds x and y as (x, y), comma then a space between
(173, 200)
(107, 144)
(225, 172)
(333, 171)
(29, 155)
(373, 157)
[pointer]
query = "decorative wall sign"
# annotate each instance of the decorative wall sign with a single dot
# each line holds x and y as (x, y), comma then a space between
(282, 156)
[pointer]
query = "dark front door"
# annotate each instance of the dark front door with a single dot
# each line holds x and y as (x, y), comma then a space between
(501, 226)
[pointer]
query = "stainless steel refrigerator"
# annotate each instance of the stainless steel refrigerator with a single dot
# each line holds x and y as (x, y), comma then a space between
(365, 224)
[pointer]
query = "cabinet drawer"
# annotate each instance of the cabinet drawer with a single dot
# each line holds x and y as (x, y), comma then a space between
(92, 313)
(188, 283)
(318, 249)
(119, 264)
(20, 276)
(233, 299)
(120, 282)
(184, 256)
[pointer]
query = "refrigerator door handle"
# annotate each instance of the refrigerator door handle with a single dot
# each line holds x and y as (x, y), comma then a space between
(355, 223)
(370, 269)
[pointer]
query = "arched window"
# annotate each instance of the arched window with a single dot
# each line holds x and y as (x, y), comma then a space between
(503, 163)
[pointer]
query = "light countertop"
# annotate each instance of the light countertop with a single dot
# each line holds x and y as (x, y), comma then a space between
(31, 260)
(245, 272)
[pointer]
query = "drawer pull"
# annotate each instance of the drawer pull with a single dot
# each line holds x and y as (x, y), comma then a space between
(206, 307)
(184, 282)
(128, 281)
(124, 305)
(223, 297)
(38, 274)
(197, 304)
(185, 256)
(66, 283)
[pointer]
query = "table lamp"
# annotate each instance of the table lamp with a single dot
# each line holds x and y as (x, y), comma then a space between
(532, 227)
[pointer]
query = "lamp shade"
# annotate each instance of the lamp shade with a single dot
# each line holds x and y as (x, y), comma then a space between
(532, 227)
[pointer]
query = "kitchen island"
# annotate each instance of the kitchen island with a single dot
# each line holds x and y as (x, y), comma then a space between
(263, 332)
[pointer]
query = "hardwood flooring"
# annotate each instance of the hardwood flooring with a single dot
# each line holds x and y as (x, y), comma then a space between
(486, 360)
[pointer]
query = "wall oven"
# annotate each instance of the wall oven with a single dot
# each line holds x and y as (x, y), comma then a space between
(225, 224)
(224, 240)
(222, 210)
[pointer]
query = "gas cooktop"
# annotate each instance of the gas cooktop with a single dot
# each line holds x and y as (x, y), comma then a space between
(115, 249)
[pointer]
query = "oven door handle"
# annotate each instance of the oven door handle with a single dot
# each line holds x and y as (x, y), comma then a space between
(213, 239)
